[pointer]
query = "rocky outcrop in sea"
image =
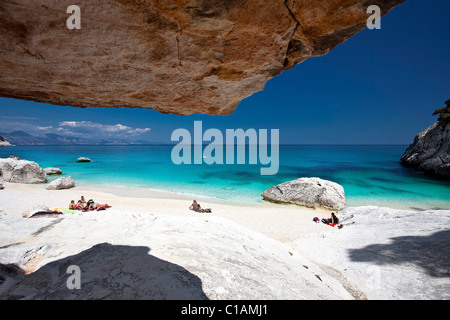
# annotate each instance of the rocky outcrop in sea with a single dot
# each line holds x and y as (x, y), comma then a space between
(430, 150)
(4, 143)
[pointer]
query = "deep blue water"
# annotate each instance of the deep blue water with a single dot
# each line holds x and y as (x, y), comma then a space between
(369, 174)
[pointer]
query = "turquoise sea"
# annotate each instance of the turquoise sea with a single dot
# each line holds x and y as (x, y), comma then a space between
(370, 175)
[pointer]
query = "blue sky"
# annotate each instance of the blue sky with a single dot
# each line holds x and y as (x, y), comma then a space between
(379, 87)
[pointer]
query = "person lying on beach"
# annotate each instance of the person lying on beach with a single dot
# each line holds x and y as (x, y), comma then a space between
(91, 205)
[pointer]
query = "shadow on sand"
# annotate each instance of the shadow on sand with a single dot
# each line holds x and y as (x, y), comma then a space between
(106, 272)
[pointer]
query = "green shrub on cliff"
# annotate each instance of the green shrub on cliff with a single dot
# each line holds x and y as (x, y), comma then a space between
(444, 113)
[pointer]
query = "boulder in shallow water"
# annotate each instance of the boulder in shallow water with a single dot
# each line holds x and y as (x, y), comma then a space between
(308, 192)
(84, 159)
(61, 183)
(52, 171)
(22, 171)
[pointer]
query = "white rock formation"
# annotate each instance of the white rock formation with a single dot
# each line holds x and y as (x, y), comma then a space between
(382, 253)
(84, 159)
(52, 171)
(130, 255)
(22, 171)
(308, 192)
(5, 144)
(61, 183)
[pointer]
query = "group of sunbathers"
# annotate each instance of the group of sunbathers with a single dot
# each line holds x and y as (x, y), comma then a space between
(90, 205)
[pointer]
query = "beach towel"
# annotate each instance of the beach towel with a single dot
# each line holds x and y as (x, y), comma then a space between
(65, 210)
(332, 224)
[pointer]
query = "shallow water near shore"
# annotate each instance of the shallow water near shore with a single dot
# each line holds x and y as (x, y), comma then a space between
(370, 174)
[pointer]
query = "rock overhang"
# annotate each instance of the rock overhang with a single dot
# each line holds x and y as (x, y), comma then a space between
(180, 57)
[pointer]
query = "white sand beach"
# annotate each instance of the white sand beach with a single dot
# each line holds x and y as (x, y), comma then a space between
(149, 245)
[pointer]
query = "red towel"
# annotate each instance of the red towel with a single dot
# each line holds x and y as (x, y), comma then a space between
(333, 224)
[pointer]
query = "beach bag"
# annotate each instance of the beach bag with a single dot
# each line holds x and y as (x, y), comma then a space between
(316, 220)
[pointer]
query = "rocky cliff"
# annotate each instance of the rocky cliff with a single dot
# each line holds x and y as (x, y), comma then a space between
(430, 150)
(178, 56)
(4, 143)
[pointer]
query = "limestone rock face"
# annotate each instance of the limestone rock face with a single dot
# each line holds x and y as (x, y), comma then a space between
(152, 257)
(4, 143)
(430, 150)
(61, 183)
(181, 57)
(308, 192)
(410, 248)
(22, 171)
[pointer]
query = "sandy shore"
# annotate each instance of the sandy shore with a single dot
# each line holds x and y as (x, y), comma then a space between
(280, 222)
(266, 251)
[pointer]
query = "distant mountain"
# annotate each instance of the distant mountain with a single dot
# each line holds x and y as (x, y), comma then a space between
(20, 138)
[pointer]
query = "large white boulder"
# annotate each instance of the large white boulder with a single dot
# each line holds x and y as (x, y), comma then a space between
(61, 183)
(308, 192)
(22, 171)
(52, 171)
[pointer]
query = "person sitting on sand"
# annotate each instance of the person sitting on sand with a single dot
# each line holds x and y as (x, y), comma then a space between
(72, 205)
(195, 206)
(82, 201)
(80, 205)
(333, 220)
